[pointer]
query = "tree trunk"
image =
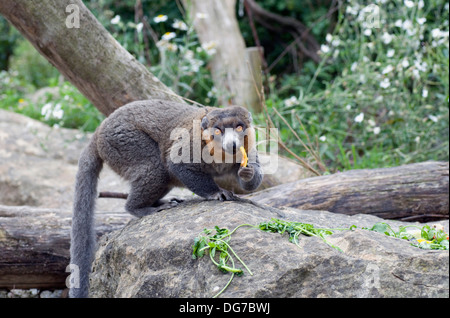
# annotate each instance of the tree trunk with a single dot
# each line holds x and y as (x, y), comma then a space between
(34, 245)
(414, 192)
(215, 22)
(87, 55)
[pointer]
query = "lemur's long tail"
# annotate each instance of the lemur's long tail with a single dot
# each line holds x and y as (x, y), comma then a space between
(83, 238)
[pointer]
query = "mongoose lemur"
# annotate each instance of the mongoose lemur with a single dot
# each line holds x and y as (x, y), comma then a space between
(138, 142)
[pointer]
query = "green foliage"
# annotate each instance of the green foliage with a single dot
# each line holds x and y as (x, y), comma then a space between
(428, 237)
(294, 229)
(380, 95)
(219, 243)
(31, 67)
(69, 108)
(8, 38)
(62, 106)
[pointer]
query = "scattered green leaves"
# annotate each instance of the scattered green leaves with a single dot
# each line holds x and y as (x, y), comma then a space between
(429, 238)
(294, 229)
(218, 242)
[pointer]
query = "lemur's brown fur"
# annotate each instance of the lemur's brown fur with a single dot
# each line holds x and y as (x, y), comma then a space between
(135, 141)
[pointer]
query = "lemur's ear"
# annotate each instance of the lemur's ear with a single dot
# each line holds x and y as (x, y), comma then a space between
(250, 118)
(205, 123)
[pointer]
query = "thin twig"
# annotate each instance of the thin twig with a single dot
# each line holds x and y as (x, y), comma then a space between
(295, 134)
(114, 195)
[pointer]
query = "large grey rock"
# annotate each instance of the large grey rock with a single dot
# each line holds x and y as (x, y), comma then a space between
(151, 257)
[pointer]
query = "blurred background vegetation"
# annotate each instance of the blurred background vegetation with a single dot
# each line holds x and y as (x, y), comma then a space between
(378, 97)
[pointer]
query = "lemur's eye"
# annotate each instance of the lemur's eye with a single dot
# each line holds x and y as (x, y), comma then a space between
(239, 128)
(217, 131)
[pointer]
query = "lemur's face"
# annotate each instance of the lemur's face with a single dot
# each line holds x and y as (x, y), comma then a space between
(228, 128)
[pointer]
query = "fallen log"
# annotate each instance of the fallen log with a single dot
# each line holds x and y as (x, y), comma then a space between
(413, 192)
(34, 244)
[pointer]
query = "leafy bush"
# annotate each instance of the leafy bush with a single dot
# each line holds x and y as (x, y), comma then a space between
(380, 95)
(31, 67)
(378, 98)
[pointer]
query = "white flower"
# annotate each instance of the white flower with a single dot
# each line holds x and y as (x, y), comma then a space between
(352, 10)
(405, 63)
(385, 83)
(407, 25)
(166, 45)
(390, 53)
(433, 118)
(398, 23)
(172, 47)
(291, 101)
(168, 36)
(354, 66)
(417, 139)
(325, 48)
(336, 42)
(362, 78)
(425, 93)
(409, 3)
(195, 64)
(323, 138)
(180, 25)
(348, 107)
(329, 37)
(359, 118)
(421, 66)
(371, 122)
(386, 38)
(50, 111)
(421, 20)
(58, 113)
(46, 110)
(387, 69)
(210, 47)
(421, 4)
(437, 33)
(160, 18)
(115, 20)
(376, 130)
(213, 92)
(139, 27)
(189, 55)
(367, 32)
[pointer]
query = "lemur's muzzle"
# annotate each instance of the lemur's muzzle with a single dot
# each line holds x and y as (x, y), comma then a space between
(231, 141)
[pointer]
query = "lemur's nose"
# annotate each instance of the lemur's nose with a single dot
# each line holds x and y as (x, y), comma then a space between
(234, 147)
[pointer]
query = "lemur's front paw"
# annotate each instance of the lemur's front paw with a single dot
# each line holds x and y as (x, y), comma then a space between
(222, 195)
(246, 173)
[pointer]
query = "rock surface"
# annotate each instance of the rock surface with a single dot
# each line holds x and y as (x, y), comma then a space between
(151, 257)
